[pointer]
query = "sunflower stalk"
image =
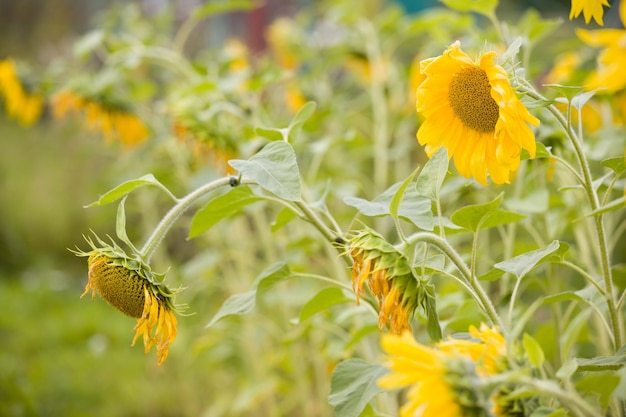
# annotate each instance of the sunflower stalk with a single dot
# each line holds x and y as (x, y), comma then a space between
(594, 203)
(468, 276)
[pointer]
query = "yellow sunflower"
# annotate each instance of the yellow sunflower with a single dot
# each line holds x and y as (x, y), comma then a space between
(19, 104)
(427, 371)
(589, 9)
(612, 60)
(128, 284)
(472, 110)
(111, 120)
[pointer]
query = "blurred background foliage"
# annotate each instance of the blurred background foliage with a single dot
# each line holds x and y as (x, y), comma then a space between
(62, 356)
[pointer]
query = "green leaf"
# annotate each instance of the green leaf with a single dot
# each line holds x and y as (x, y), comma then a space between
(500, 217)
(616, 204)
(566, 370)
(540, 152)
(580, 99)
(618, 164)
(568, 91)
(524, 263)
(472, 217)
(128, 187)
(433, 324)
(511, 52)
(283, 217)
(274, 168)
(239, 304)
(533, 350)
(414, 208)
(352, 385)
(603, 384)
(431, 178)
(220, 7)
(304, 114)
(120, 225)
(88, 43)
(394, 206)
(323, 300)
(484, 7)
(271, 133)
(220, 208)
(620, 390)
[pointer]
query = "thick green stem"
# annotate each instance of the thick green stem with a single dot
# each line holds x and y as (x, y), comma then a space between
(175, 212)
(594, 203)
(477, 291)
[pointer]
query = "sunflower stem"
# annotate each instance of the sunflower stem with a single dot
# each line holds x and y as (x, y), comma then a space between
(594, 203)
(175, 212)
(477, 291)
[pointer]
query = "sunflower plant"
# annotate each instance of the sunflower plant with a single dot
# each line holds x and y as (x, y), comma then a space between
(440, 199)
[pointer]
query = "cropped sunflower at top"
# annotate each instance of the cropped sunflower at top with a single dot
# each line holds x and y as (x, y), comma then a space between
(129, 285)
(589, 9)
(609, 76)
(471, 110)
(112, 120)
(19, 104)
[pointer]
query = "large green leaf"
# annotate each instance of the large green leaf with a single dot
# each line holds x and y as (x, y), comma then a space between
(524, 263)
(128, 187)
(239, 304)
(533, 350)
(353, 385)
(323, 300)
(472, 217)
(274, 168)
(398, 197)
(617, 164)
(431, 177)
(413, 208)
(220, 208)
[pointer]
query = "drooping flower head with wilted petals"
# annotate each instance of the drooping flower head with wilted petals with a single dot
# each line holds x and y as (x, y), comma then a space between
(471, 110)
(129, 285)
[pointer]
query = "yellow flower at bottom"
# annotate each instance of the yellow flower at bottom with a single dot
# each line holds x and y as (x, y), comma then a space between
(471, 110)
(589, 9)
(424, 368)
(128, 285)
(446, 380)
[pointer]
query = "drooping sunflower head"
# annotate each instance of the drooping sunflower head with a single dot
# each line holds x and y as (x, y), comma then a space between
(128, 284)
(389, 277)
(471, 110)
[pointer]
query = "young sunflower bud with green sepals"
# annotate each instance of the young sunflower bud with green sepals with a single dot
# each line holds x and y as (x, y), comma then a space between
(128, 284)
(388, 275)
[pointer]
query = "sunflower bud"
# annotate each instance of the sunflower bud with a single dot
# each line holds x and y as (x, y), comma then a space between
(128, 284)
(388, 275)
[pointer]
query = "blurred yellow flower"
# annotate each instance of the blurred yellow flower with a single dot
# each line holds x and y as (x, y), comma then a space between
(609, 76)
(25, 108)
(111, 121)
(366, 71)
(280, 36)
(589, 9)
(294, 97)
(129, 285)
(237, 52)
(443, 379)
(216, 154)
(472, 110)
(564, 66)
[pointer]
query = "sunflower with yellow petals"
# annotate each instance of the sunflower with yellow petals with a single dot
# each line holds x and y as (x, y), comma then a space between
(21, 105)
(471, 110)
(609, 76)
(589, 9)
(129, 285)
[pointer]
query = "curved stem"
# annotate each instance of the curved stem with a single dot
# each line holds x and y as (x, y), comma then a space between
(175, 212)
(594, 203)
(477, 291)
(315, 221)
